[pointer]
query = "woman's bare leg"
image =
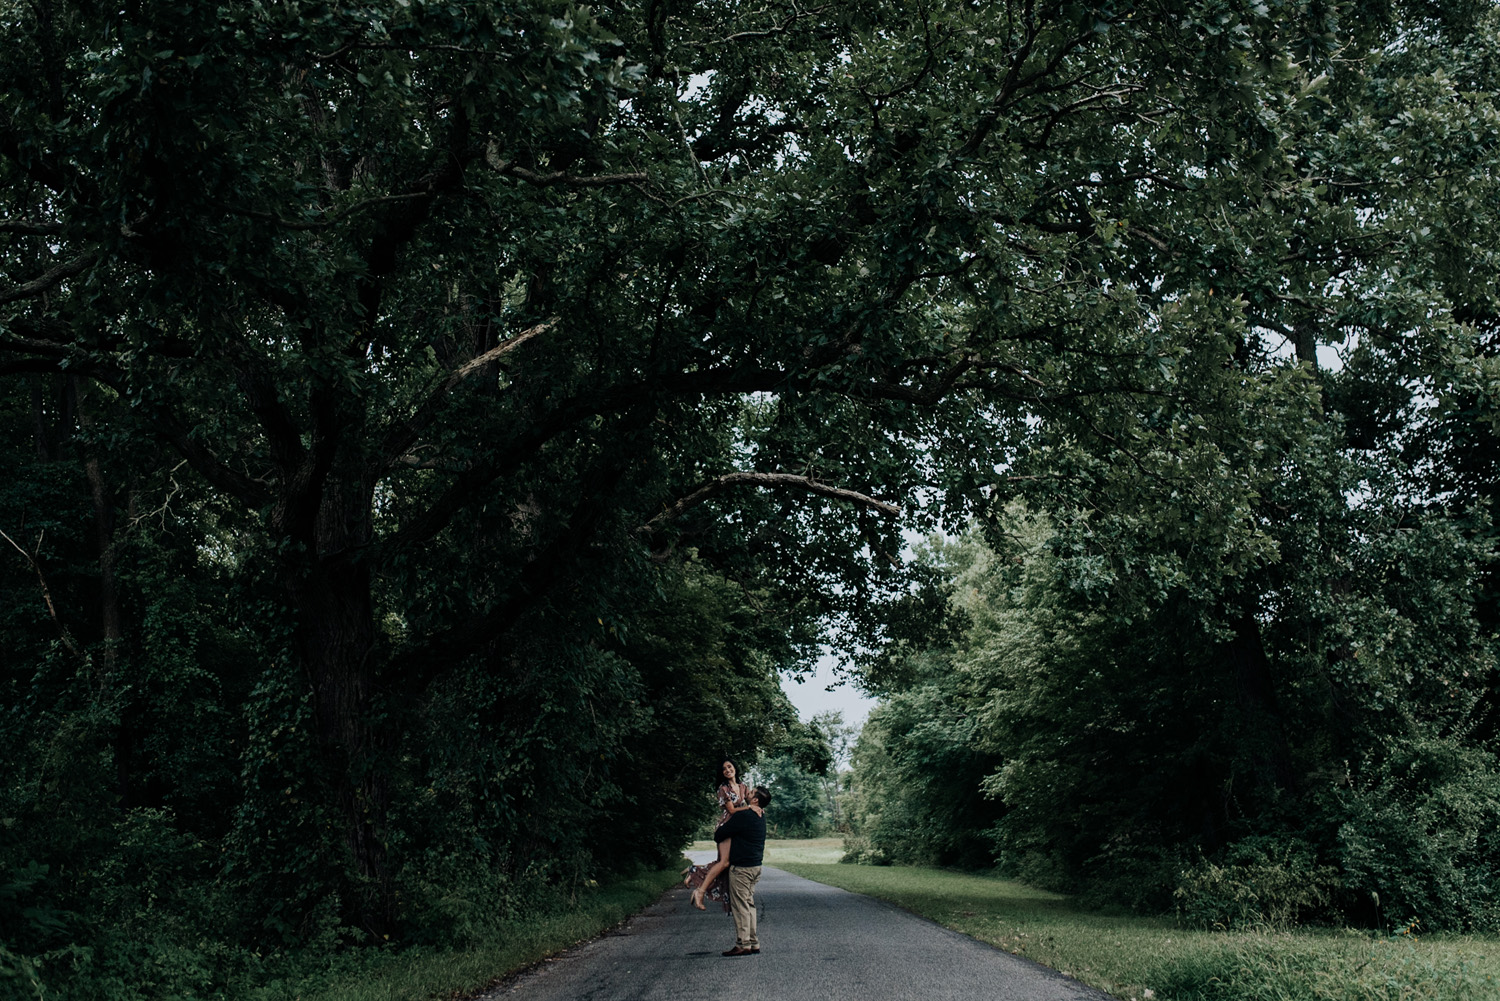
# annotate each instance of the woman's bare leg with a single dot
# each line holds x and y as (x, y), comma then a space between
(713, 873)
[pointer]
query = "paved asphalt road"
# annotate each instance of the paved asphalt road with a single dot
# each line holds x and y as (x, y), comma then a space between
(817, 943)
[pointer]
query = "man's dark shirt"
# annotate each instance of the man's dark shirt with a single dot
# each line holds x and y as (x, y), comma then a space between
(748, 829)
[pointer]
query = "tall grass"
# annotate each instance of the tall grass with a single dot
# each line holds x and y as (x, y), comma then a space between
(1152, 959)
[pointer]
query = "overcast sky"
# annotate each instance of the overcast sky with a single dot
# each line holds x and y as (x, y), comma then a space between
(812, 695)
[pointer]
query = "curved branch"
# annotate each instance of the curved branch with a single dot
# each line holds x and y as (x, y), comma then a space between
(798, 13)
(248, 491)
(35, 346)
(31, 227)
(771, 481)
(49, 279)
(401, 438)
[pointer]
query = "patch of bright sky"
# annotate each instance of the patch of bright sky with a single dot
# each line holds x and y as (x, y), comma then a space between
(822, 691)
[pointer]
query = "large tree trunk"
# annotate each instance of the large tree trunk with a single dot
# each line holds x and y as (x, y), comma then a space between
(109, 600)
(1261, 724)
(335, 640)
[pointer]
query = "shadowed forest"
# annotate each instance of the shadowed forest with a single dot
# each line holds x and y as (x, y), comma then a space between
(432, 429)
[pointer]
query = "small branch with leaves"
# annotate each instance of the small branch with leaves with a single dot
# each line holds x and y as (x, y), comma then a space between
(510, 168)
(41, 579)
(30, 227)
(401, 438)
(798, 13)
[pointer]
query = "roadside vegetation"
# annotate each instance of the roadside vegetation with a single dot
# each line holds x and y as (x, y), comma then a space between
(416, 973)
(497, 944)
(1139, 958)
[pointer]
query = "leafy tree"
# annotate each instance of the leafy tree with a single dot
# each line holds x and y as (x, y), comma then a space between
(798, 808)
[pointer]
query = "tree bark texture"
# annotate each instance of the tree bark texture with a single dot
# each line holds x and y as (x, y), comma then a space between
(1261, 724)
(328, 587)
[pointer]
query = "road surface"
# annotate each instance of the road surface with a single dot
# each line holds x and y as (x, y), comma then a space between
(817, 943)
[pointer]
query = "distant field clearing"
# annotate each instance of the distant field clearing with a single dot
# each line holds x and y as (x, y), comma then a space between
(778, 850)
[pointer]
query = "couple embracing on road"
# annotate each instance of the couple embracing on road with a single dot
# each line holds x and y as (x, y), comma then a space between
(741, 836)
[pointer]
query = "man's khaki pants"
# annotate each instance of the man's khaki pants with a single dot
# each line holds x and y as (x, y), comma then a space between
(742, 880)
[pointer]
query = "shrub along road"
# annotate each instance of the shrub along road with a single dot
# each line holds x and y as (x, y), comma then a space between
(819, 943)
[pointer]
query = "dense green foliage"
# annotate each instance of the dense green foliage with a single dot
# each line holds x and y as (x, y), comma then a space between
(1126, 758)
(435, 426)
(1227, 643)
(807, 779)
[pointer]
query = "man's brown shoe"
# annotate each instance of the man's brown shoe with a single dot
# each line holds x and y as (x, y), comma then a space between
(737, 951)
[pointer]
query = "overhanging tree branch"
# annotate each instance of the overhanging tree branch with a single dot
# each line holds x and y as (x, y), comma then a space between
(32, 227)
(798, 13)
(245, 489)
(772, 481)
(34, 345)
(50, 279)
(527, 442)
(401, 438)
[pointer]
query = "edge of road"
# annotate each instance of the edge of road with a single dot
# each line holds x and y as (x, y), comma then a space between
(504, 983)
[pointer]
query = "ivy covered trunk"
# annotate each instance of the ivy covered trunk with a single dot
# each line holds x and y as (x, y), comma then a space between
(328, 586)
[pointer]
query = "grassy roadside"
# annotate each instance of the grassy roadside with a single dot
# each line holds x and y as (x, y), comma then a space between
(416, 974)
(1146, 959)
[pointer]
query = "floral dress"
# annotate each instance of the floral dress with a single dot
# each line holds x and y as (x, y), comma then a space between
(693, 875)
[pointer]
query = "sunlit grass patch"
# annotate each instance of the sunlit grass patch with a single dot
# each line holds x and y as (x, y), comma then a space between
(1152, 958)
(804, 850)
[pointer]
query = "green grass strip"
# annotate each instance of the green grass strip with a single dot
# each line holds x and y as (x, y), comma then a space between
(1153, 959)
(416, 974)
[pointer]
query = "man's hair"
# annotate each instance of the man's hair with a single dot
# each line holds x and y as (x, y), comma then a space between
(763, 796)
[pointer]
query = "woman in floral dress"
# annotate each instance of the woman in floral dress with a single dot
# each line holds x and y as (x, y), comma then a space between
(712, 881)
